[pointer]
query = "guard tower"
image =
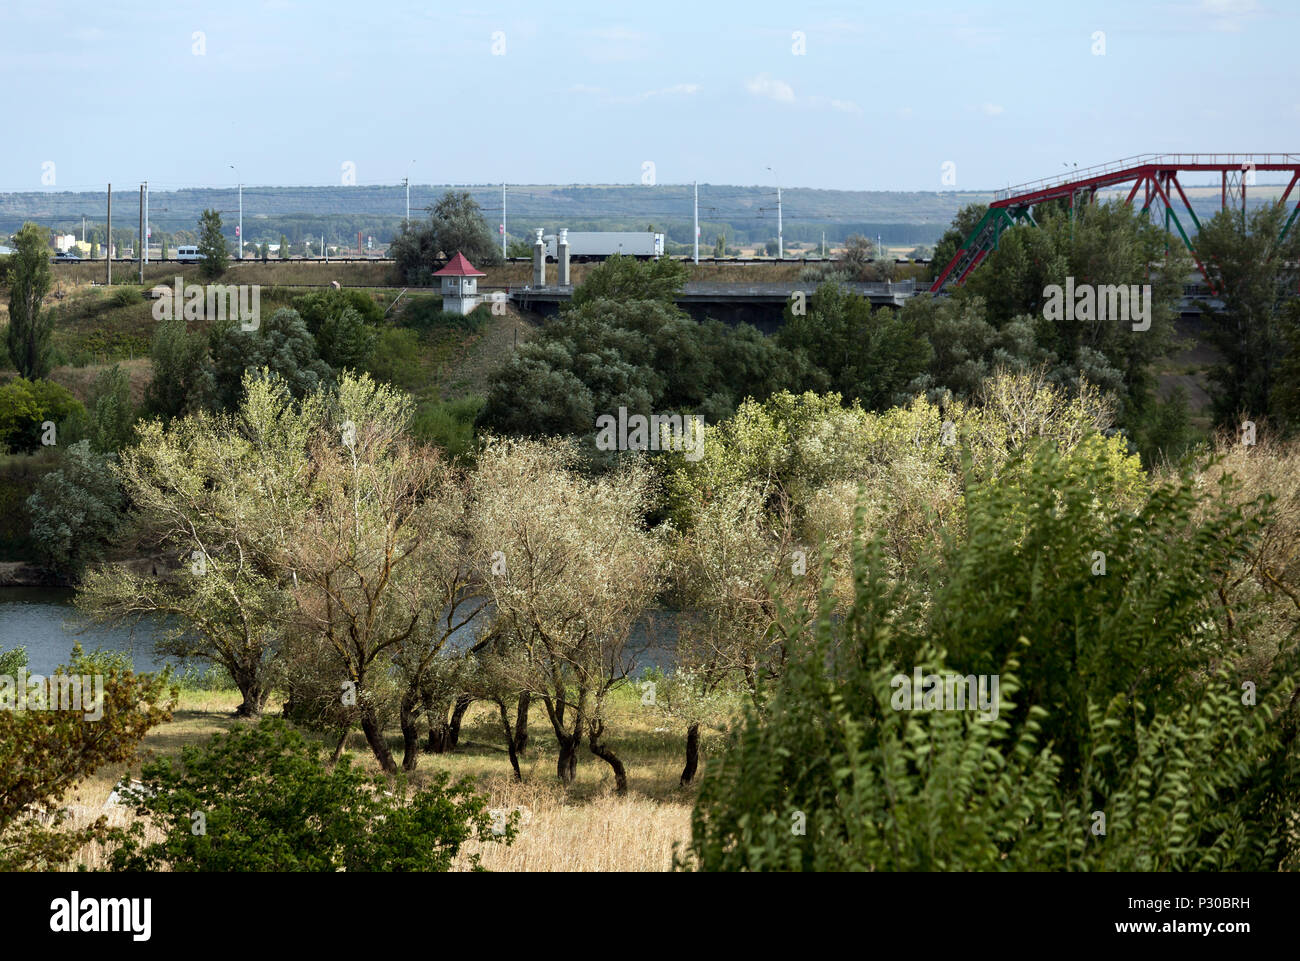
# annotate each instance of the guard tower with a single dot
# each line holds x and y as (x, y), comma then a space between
(460, 285)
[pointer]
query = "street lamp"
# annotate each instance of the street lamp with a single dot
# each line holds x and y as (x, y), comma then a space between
(239, 231)
(780, 236)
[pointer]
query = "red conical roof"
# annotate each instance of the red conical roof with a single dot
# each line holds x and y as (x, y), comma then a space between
(459, 267)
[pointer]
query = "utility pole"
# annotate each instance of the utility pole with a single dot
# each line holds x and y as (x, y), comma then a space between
(239, 231)
(780, 234)
(503, 223)
(140, 253)
(108, 249)
(823, 245)
(147, 231)
(697, 222)
(407, 182)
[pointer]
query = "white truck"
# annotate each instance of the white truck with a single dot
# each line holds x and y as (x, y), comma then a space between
(597, 245)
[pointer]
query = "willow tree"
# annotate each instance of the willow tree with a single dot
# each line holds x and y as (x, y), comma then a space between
(571, 568)
(219, 496)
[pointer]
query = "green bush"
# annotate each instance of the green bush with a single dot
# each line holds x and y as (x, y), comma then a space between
(12, 661)
(75, 511)
(448, 423)
(319, 305)
(27, 404)
(1167, 765)
(268, 801)
(126, 296)
(396, 358)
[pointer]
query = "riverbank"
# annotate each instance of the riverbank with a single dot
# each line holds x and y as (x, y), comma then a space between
(27, 574)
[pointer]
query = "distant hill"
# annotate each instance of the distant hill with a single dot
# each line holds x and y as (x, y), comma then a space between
(744, 214)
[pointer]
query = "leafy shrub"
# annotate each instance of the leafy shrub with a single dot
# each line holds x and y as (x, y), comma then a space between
(448, 423)
(345, 342)
(1126, 671)
(12, 661)
(396, 357)
(126, 296)
(75, 511)
(44, 754)
(319, 305)
(269, 802)
(26, 404)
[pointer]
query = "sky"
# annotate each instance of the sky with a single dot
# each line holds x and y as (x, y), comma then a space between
(882, 96)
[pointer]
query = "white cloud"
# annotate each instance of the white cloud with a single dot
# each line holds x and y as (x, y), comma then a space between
(678, 90)
(767, 86)
(1229, 16)
(991, 109)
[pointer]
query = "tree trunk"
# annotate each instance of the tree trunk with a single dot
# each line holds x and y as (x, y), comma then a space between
(608, 756)
(463, 701)
(375, 738)
(692, 753)
(510, 739)
(444, 734)
(410, 732)
(252, 688)
(566, 767)
(521, 722)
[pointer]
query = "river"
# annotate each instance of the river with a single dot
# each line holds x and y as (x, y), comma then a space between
(43, 620)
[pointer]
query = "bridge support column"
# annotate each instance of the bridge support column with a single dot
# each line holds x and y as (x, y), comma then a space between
(562, 257)
(539, 261)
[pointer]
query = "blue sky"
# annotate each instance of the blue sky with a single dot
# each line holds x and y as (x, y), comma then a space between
(586, 92)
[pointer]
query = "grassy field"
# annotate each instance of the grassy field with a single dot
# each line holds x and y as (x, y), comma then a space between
(585, 827)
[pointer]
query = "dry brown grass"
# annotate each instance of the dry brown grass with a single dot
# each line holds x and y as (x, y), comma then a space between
(584, 827)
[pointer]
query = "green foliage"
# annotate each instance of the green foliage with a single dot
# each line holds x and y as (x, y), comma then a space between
(627, 278)
(44, 754)
(125, 296)
(966, 220)
(75, 511)
(455, 224)
(631, 347)
(1101, 245)
(281, 344)
(345, 342)
(1124, 672)
(29, 331)
(26, 404)
(448, 424)
(396, 357)
(111, 413)
(178, 359)
(1255, 275)
(870, 356)
(319, 305)
(213, 253)
(12, 661)
(304, 815)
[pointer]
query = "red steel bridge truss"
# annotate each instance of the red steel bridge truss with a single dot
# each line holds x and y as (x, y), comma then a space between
(1155, 175)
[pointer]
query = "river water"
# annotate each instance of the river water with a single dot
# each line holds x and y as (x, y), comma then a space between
(44, 621)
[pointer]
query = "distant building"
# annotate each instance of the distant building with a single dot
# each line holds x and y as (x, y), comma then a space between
(460, 285)
(64, 241)
(6, 251)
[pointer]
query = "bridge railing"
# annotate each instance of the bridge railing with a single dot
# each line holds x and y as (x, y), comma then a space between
(1144, 160)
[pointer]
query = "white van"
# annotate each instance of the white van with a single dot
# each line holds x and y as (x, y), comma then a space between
(188, 254)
